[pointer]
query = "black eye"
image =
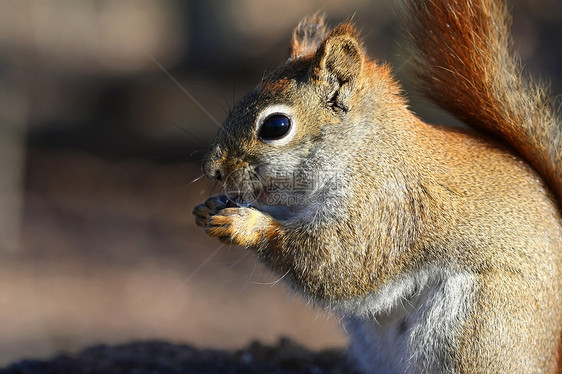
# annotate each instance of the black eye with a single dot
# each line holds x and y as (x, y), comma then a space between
(274, 127)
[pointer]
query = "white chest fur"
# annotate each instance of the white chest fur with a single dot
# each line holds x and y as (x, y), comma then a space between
(412, 325)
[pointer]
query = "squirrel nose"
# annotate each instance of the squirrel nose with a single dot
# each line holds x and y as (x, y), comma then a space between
(212, 170)
(217, 175)
(212, 163)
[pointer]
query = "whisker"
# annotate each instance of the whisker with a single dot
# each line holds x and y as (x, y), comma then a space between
(317, 317)
(222, 96)
(185, 130)
(217, 184)
(184, 90)
(271, 284)
(185, 163)
(193, 181)
(248, 283)
(259, 177)
(212, 188)
(185, 281)
(239, 260)
(196, 179)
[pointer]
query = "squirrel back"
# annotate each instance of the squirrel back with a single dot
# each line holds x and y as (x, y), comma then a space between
(462, 52)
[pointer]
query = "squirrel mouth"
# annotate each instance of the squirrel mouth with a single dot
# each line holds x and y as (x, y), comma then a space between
(247, 199)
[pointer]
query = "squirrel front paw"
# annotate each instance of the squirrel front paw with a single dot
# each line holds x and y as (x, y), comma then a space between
(210, 207)
(238, 225)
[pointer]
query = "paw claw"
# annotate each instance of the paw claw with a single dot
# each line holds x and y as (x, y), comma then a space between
(230, 224)
(209, 208)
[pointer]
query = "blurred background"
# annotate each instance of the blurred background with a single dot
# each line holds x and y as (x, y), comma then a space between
(106, 109)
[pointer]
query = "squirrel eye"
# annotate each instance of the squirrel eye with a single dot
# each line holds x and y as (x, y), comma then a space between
(274, 127)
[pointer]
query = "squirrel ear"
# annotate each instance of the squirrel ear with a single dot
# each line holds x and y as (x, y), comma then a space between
(338, 62)
(308, 35)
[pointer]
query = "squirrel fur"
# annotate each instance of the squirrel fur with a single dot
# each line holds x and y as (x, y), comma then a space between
(440, 248)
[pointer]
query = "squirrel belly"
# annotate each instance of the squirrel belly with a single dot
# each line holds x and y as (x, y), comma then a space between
(440, 248)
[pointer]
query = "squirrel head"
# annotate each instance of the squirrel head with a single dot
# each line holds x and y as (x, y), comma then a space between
(288, 125)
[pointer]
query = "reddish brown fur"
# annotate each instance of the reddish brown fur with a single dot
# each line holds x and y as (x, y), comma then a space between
(467, 68)
(559, 368)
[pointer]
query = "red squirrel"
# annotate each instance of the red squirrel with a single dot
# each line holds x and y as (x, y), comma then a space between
(440, 248)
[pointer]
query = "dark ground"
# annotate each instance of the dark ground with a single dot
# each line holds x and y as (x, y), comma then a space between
(156, 357)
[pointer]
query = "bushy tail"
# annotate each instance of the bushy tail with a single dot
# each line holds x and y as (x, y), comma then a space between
(463, 53)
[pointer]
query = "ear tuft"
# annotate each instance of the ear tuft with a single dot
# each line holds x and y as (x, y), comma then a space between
(308, 35)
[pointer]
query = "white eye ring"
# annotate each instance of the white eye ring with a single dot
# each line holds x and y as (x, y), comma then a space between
(282, 110)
